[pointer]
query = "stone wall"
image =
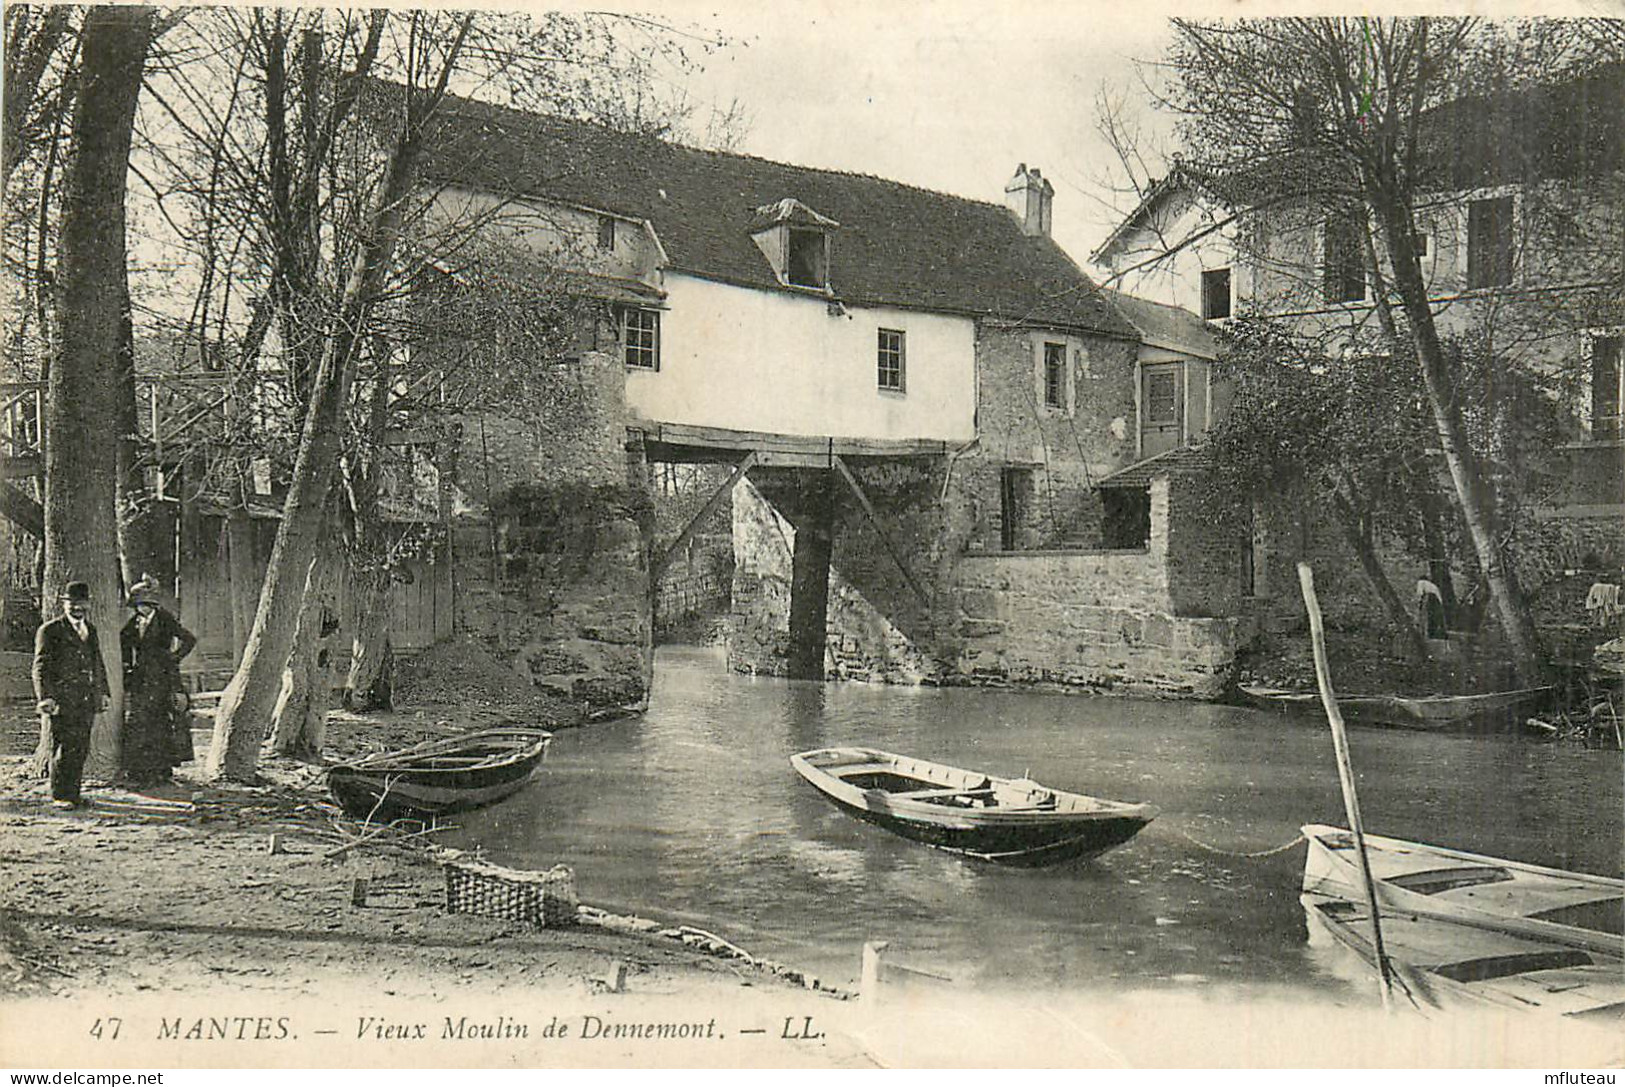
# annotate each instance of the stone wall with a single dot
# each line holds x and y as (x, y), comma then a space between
(759, 622)
(697, 581)
(1066, 448)
(1286, 533)
(1207, 533)
(1063, 620)
(1080, 620)
(551, 536)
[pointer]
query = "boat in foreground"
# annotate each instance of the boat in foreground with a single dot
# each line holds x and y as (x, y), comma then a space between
(1461, 929)
(1012, 821)
(438, 777)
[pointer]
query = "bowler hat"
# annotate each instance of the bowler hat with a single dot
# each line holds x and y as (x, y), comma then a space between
(77, 592)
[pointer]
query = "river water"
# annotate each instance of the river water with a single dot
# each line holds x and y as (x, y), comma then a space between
(691, 814)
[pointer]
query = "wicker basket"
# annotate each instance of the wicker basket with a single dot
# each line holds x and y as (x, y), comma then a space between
(543, 899)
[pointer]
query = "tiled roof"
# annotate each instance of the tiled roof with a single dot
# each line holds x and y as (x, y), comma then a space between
(1186, 458)
(896, 245)
(1571, 129)
(1166, 326)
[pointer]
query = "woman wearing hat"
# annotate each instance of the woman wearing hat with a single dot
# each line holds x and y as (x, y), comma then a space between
(152, 643)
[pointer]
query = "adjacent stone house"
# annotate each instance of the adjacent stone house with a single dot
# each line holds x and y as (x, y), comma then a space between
(1519, 234)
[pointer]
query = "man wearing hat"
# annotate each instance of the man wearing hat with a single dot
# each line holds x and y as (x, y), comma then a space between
(70, 682)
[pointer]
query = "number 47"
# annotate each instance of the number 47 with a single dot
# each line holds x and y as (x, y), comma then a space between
(112, 1027)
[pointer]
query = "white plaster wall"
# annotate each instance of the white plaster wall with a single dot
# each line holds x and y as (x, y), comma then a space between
(779, 362)
(564, 236)
(1176, 279)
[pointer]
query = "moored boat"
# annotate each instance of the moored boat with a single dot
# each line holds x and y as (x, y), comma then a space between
(1400, 711)
(438, 777)
(1460, 929)
(1443, 710)
(1012, 821)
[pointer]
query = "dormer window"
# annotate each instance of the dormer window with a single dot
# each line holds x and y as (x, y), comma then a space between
(796, 241)
(808, 261)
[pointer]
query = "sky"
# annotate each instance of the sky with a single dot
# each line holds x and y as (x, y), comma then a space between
(952, 94)
(945, 95)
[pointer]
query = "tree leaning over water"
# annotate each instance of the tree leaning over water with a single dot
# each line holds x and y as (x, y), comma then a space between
(1344, 111)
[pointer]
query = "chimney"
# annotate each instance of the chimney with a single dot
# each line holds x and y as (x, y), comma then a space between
(1030, 199)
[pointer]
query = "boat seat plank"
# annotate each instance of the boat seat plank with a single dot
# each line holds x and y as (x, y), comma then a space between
(852, 769)
(930, 794)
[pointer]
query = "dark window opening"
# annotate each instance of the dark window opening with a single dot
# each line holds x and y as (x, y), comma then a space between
(889, 360)
(1125, 517)
(1216, 293)
(1055, 375)
(808, 263)
(1015, 507)
(1489, 242)
(606, 232)
(1605, 386)
(1343, 266)
(1420, 242)
(640, 338)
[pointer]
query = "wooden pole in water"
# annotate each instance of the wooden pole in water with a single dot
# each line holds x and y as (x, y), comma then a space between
(869, 979)
(1345, 770)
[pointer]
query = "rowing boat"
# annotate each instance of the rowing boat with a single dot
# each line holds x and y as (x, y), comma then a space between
(440, 776)
(1460, 929)
(1444, 710)
(1013, 821)
(1400, 711)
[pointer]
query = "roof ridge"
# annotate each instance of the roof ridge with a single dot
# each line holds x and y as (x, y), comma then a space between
(905, 245)
(610, 130)
(1117, 292)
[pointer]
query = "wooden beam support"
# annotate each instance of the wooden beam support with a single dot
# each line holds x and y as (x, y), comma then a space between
(658, 568)
(874, 521)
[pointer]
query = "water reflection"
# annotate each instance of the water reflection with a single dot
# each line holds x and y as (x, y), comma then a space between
(692, 813)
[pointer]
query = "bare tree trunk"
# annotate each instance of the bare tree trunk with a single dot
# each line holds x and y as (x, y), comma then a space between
(33, 35)
(1433, 513)
(246, 704)
(135, 545)
(299, 722)
(370, 683)
(1475, 500)
(1357, 532)
(81, 466)
(240, 534)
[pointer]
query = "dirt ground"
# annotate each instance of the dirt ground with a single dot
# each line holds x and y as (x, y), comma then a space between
(179, 890)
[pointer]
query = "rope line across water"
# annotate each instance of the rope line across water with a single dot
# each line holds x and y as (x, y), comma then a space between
(1258, 855)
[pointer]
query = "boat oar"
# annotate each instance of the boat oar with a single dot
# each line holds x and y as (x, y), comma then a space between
(1345, 771)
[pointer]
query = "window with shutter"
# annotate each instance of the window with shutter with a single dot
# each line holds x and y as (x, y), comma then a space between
(1489, 242)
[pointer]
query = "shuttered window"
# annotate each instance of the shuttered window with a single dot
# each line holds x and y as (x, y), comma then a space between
(1489, 242)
